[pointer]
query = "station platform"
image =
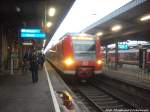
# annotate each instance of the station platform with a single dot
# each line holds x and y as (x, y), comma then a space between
(19, 94)
(131, 75)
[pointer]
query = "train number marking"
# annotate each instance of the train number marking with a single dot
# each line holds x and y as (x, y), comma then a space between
(85, 63)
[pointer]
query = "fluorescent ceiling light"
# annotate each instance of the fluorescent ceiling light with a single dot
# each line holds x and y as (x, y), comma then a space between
(99, 33)
(145, 18)
(49, 24)
(116, 28)
(18, 9)
(51, 12)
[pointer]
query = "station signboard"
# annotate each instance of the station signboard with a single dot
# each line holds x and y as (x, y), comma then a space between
(30, 30)
(32, 33)
(27, 43)
(123, 46)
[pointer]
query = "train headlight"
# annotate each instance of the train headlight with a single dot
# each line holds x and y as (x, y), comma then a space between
(99, 62)
(69, 61)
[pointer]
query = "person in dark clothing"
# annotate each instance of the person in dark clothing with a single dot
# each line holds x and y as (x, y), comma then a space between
(41, 60)
(34, 67)
(25, 62)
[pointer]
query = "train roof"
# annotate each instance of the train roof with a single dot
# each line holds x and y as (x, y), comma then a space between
(82, 34)
(77, 34)
(74, 34)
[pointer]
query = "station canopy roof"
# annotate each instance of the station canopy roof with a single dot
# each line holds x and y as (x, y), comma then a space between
(128, 17)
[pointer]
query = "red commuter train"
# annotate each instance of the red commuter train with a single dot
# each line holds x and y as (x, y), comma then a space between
(77, 55)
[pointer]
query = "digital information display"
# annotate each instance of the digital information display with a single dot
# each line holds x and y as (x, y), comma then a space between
(32, 33)
(123, 46)
(30, 30)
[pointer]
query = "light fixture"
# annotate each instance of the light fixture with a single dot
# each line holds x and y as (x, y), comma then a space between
(27, 43)
(145, 18)
(99, 33)
(44, 42)
(51, 12)
(49, 24)
(18, 9)
(116, 28)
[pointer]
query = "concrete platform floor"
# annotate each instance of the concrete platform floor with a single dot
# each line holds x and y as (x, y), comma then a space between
(19, 94)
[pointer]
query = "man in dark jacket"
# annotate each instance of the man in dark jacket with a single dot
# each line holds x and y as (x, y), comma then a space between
(34, 67)
(41, 60)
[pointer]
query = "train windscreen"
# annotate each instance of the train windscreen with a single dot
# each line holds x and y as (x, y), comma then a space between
(84, 49)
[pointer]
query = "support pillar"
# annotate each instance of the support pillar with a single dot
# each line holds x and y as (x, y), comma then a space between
(3, 49)
(116, 56)
(106, 54)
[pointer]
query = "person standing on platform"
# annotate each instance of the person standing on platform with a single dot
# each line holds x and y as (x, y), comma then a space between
(25, 62)
(41, 60)
(34, 67)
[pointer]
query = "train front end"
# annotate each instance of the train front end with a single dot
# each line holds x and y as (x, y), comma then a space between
(85, 60)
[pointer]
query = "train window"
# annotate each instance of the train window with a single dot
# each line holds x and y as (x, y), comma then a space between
(84, 49)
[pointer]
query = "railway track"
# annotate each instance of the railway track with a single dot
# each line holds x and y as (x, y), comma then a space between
(104, 94)
(101, 100)
(132, 95)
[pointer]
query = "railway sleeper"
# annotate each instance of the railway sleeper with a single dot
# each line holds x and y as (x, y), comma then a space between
(106, 103)
(112, 107)
(93, 91)
(97, 97)
(106, 99)
(101, 96)
(102, 99)
(92, 95)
